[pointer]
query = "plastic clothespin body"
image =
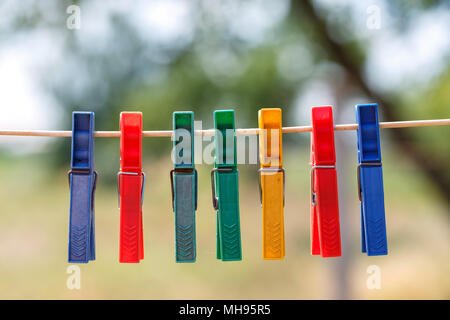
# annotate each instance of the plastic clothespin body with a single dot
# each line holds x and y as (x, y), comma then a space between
(325, 227)
(184, 186)
(370, 181)
(272, 183)
(82, 181)
(131, 188)
(224, 180)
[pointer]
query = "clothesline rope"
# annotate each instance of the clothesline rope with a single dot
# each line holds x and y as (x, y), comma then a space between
(210, 132)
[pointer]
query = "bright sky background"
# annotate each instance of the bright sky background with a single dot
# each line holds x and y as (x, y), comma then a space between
(24, 104)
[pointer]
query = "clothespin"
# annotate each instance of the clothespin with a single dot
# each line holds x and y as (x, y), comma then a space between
(271, 183)
(82, 181)
(325, 229)
(131, 181)
(225, 189)
(370, 181)
(183, 179)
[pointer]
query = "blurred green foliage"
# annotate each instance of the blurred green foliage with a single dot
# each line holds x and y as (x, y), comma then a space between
(126, 67)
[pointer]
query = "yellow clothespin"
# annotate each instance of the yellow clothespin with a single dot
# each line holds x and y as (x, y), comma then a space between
(271, 178)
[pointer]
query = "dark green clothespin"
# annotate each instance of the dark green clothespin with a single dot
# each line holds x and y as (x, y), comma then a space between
(183, 180)
(225, 188)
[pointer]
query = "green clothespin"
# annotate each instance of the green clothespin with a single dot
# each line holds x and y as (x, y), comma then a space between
(225, 188)
(183, 180)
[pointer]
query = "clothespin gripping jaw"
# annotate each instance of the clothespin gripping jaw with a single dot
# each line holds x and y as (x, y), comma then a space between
(270, 145)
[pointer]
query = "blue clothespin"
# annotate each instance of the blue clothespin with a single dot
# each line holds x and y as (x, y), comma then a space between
(83, 181)
(370, 181)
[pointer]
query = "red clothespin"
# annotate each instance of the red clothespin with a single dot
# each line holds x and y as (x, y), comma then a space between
(325, 230)
(131, 188)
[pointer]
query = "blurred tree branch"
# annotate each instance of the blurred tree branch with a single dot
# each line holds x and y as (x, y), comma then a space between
(430, 164)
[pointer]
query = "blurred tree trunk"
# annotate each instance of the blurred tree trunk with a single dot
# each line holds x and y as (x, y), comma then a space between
(428, 163)
(339, 268)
